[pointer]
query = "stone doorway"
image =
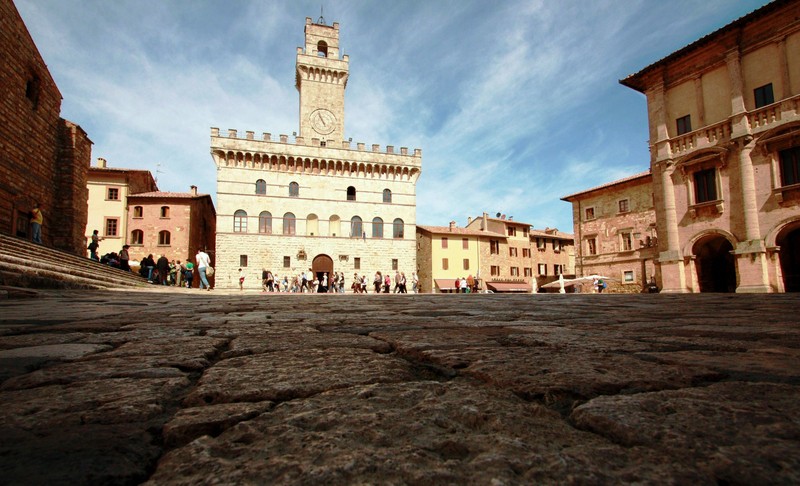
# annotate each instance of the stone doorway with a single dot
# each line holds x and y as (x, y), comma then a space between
(716, 265)
(789, 242)
(321, 265)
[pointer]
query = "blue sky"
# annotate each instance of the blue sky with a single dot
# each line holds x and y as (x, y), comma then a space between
(514, 103)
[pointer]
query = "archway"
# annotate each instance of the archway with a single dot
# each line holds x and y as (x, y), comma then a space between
(321, 265)
(716, 265)
(789, 242)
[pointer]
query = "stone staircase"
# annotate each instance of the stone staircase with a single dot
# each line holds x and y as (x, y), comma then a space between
(28, 265)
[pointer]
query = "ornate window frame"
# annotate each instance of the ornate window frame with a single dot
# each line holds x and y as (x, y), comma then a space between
(716, 159)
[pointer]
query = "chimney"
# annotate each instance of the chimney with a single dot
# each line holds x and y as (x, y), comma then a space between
(101, 162)
(452, 226)
(483, 221)
(469, 220)
(194, 190)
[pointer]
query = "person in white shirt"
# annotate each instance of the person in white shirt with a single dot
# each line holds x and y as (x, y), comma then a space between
(203, 262)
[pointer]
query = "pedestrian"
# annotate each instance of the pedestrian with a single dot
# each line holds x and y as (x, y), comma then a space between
(94, 245)
(124, 258)
(203, 262)
(37, 219)
(241, 279)
(403, 283)
(264, 279)
(163, 269)
(180, 270)
(189, 274)
(378, 282)
(463, 285)
(387, 283)
(414, 282)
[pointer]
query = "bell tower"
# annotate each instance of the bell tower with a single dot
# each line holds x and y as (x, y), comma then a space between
(321, 78)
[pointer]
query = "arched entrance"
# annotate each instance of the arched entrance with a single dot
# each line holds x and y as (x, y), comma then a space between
(716, 265)
(789, 242)
(321, 265)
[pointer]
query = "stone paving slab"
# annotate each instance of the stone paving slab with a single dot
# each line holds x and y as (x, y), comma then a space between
(161, 387)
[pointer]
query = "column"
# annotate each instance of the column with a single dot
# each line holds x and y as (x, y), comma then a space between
(751, 254)
(673, 278)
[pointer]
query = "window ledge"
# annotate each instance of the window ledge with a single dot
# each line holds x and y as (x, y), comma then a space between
(782, 193)
(717, 206)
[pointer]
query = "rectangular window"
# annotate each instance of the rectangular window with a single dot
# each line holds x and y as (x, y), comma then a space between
(790, 166)
(624, 206)
(541, 244)
(542, 269)
(112, 226)
(357, 263)
(764, 96)
(465, 243)
(628, 276)
(557, 246)
(528, 271)
(588, 214)
(512, 231)
(395, 265)
(445, 264)
(525, 232)
(165, 211)
(512, 252)
(112, 194)
(684, 124)
(515, 271)
(705, 186)
(242, 260)
(138, 212)
(627, 241)
(558, 269)
(526, 253)
(495, 270)
(466, 264)
(591, 246)
(444, 242)
(494, 247)
(287, 262)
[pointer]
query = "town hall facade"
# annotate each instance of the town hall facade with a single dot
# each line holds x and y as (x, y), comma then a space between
(314, 203)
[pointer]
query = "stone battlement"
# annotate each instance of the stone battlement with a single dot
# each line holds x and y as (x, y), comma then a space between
(314, 142)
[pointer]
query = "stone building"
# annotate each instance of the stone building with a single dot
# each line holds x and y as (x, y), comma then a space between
(173, 224)
(45, 158)
(615, 229)
(109, 189)
(445, 253)
(506, 264)
(725, 155)
(314, 202)
(553, 254)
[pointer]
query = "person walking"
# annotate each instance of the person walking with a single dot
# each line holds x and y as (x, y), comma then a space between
(203, 262)
(241, 279)
(163, 269)
(124, 259)
(414, 282)
(94, 245)
(37, 219)
(180, 270)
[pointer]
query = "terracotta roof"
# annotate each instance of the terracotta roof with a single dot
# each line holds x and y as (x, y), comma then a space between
(163, 194)
(633, 81)
(117, 169)
(640, 175)
(446, 230)
(558, 236)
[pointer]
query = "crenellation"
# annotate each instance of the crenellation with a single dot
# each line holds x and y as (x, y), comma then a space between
(250, 135)
(231, 133)
(266, 136)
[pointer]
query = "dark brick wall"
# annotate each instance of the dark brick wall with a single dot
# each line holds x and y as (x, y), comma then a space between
(40, 153)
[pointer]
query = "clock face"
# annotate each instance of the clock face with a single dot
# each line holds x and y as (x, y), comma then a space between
(323, 121)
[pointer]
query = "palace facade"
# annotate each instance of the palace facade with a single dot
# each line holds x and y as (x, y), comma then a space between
(314, 203)
(724, 118)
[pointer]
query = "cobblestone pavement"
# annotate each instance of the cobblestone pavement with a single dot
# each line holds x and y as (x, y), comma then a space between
(181, 387)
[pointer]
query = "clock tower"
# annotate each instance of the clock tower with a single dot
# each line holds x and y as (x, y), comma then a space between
(321, 79)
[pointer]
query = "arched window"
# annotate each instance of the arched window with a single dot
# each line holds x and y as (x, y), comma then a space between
(294, 189)
(351, 193)
(322, 49)
(356, 230)
(138, 212)
(165, 211)
(335, 225)
(288, 224)
(240, 221)
(312, 225)
(137, 237)
(163, 238)
(387, 196)
(261, 186)
(398, 228)
(265, 222)
(377, 228)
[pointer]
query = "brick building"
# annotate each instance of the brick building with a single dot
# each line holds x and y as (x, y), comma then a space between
(109, 189)
(313, 203)
(615, 229)
(506, 264)
(45, 158)
(553, 254)
(173, 224)
(724, 119)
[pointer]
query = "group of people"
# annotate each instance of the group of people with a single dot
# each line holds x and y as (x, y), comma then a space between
(466, 285)
(382, 284)
(333, 284)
